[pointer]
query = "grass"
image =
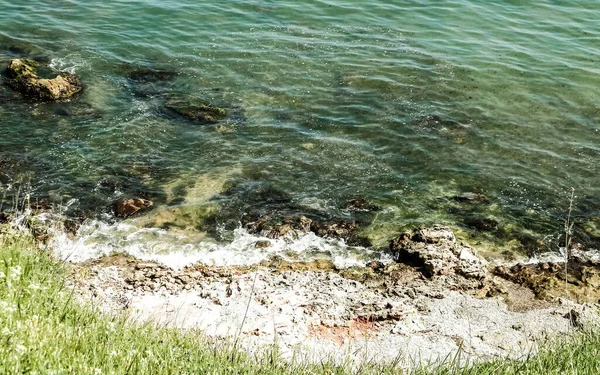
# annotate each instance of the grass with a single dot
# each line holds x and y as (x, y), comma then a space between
(44, 330)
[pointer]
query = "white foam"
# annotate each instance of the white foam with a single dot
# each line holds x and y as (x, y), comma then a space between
(96, 239)
(70, 63)
(592, 255)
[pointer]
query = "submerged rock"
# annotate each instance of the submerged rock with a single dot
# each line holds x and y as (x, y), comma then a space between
(196, 110)
(448, 128)
(592, 227)
(361, 205)
(151, 75)
(79, 110)
(481, 223)
(436, 251)
(147, 82)
(291, 227)
(343, 230)
(23, 76)
(471, 197)
(126, 207)
(277, 228)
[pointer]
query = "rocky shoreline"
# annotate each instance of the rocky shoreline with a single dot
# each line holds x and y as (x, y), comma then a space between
(436, 298)
(431, 297)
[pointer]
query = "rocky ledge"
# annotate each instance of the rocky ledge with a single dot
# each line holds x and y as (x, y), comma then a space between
(437, 297)
(23, 76)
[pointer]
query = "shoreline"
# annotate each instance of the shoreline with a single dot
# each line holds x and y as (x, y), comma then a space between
(397, 312)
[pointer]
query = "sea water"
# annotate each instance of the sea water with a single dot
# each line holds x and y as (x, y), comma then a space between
(409, 105)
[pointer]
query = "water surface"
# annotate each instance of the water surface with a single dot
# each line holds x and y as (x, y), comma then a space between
(405, 104)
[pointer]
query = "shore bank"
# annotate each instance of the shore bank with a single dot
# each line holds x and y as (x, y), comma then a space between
(401, 311)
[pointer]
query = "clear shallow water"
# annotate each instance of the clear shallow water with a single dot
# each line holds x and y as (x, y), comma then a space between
(404, 104)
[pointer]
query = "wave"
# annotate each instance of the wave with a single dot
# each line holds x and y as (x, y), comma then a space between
(96, 239)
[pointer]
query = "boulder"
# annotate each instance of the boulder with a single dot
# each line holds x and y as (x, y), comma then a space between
(126, 207)
(23, 77)
(436, 251)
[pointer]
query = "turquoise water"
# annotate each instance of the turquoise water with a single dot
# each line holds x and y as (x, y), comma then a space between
(405, 104)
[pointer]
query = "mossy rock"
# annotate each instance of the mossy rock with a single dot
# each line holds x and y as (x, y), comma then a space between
(196, 110)
(23, 77)
(146, 75)
(278, 264)
(184, 219)
(592, 227)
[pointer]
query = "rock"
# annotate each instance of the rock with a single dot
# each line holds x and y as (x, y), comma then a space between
(376, 265)
(42, 205)
(80, 110)
(23, 76)
(4, 217)
(148, 82)
(196, 110)
(275, 228)
(361, 204)
(592, 227)
(574, 318)
(151, 75)
(436, 252)
(481, 224)
(278, 264)
(343, 230)
(471, 197)
(126, 207)
(293, 227)
(262, 244)
(446, 127)
(73, 224)
(547, 280)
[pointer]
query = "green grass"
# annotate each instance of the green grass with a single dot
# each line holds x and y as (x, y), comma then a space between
(578, 355)
(43, 330)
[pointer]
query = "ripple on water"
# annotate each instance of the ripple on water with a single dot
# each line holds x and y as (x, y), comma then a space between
(398, 103)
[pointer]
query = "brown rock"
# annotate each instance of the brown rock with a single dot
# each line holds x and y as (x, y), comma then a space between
(293, 227)
(4, 217)
(126, 207)
(262, 244)
(547, 280)
(361, 204)
(376, 265)
(273, 228)
(471, 197)
(343, 230)
(481, 224)
(436, 252)
(23, 77)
